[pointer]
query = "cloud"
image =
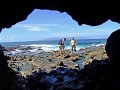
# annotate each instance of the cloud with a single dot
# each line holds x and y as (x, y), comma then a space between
(37, 27)
(7, 39)
(98, 29)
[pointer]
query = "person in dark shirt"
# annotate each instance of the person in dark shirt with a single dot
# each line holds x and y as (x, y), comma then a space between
(62, 46)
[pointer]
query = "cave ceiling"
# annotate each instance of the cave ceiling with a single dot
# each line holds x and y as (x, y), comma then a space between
(90, 12)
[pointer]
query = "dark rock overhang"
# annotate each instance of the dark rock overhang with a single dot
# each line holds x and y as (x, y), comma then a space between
(90, 12)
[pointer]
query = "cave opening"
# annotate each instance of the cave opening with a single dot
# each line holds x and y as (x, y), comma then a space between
(32, 48)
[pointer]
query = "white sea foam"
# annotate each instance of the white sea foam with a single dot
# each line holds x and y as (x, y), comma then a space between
(50, 47)
(16, 51)
(77, 47)
(33, 50)
(45, 47)
(100, 44)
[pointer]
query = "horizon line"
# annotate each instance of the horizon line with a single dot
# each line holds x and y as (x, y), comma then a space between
(49, 40)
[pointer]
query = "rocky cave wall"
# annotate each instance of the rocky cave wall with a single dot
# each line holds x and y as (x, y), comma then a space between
(90, 12)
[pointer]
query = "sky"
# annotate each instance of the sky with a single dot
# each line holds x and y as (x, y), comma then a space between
(47, 25)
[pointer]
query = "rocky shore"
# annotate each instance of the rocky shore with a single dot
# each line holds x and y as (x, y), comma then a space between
(28, 62)
(42, 70)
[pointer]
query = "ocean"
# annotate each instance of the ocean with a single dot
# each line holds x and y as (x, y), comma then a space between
(49, 45)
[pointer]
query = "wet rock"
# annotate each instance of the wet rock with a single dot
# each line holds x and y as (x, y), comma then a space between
(61, 64)
(67, 56)
(7, 76)
(72, 72)
(45, 71)
(74, 59)
(72, 85)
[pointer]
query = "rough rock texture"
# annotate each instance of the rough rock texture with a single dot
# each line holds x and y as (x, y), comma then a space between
(7, 75)
(91, 12)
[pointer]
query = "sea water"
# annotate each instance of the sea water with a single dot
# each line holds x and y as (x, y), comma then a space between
(52, 45)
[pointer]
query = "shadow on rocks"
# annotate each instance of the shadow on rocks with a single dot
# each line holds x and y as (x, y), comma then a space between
(70, 79)
(106, 76)
(60, 79)
(8, 77)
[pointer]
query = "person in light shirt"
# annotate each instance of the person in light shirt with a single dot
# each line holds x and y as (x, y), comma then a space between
(73, 45)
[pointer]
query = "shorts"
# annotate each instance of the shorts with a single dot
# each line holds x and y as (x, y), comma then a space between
(61, 47)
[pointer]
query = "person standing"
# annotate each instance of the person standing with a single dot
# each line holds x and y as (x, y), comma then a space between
(73, 45)
(62, 46)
